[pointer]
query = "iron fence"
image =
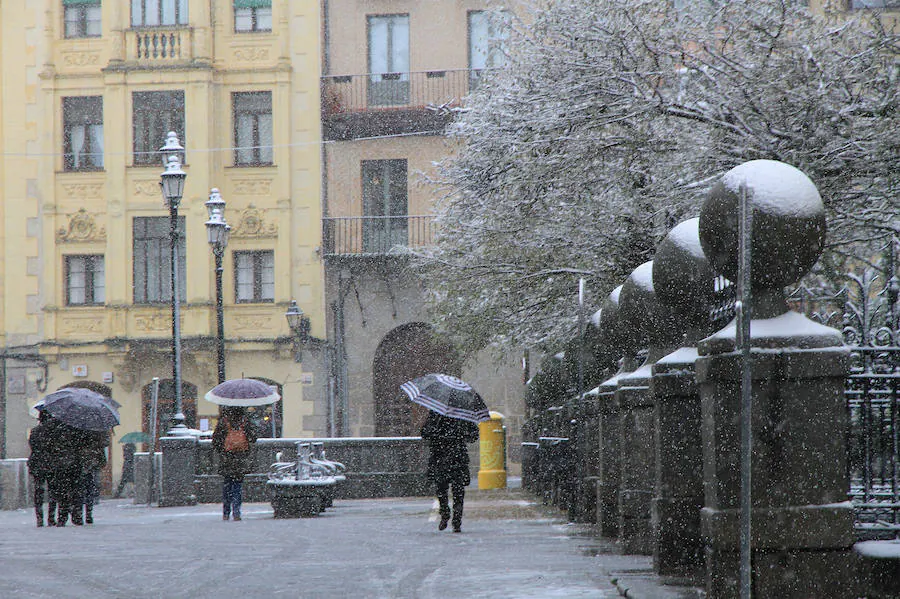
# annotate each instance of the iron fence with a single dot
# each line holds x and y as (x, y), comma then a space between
(375, 235)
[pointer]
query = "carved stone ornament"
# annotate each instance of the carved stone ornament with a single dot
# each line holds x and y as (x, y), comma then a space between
(82, 227)
(252, 322)
(253, 225)
(251, 54)
(81, 59)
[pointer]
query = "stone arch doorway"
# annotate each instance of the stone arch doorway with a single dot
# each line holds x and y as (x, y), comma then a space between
(406, 352)
(166, 406)
(106, 471)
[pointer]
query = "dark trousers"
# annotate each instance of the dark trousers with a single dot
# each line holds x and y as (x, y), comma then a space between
(65, 487)
(37, 485)
(231, 497)
(90, 492)
(459, 495)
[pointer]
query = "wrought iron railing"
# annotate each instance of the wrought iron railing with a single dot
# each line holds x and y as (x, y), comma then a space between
(375, 235)
(867, 313)
(384, 91)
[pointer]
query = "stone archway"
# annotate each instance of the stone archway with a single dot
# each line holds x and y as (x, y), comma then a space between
(406, 352)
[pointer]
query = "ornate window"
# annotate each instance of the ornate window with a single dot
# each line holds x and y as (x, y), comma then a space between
(254, 276)
(252, 128)
(156, 13)
(252, 15)
(85, 280)
(153, 260)
(82, 18)
(83, 133)
(154, 114)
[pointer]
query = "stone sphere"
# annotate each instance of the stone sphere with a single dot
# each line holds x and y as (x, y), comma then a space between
(639, 307)
(682, 276)
(621, 339)
(788, 231)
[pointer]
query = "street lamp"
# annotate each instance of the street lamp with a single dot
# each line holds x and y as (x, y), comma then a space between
(217, 231)
(299, 325)
(172, 184)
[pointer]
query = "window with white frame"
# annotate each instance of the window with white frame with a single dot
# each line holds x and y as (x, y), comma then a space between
(83, 133)
(82, 18)
(152, 259)
(252, 113)
(388, 39)
(159, 13)
(252, 15)
(487, 31)
(85, 280)
(254, 276)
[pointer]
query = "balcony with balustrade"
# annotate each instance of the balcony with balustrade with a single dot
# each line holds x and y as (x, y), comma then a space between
(373, 104)
(375, 236)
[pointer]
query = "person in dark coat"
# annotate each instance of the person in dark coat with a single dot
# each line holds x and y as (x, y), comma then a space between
(40, 468)
(67, 457)
(448, 462)
(94, 460)
(232, 439)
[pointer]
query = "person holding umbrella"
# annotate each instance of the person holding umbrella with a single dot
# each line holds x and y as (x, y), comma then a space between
(455, 408)
(40, 467)
(235, 434)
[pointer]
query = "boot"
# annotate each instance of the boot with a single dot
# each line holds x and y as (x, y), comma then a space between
(88, 514)
(39, 513)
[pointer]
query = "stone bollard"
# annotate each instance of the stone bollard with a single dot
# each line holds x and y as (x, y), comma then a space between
(683, 280)
(627, 340)
(179, 469)
(802, 523)
(638, 307)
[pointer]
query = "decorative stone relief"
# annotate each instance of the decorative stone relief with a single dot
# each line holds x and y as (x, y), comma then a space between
(83, 191)
(253, 225)
(252, 187)
(77, 326)
(251, 54)
(252, 322)
(81, 59)
(82, 227)
(153, 323)
(147, 188)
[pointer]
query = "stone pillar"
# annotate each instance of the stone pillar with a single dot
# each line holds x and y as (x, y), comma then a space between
(683, 281)
(179, 469)
(802, 523)
(639, 307)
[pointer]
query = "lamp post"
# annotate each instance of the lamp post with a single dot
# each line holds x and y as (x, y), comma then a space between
(172, 184)
(299, 325)
(217, 231)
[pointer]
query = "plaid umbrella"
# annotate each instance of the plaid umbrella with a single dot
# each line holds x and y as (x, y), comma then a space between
(448, 396)
(243, 392)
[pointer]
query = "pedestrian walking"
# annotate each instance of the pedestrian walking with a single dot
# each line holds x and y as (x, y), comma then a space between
(66, 458)
(40, 469)
(232, 440)
(448, 463)
(96, 443)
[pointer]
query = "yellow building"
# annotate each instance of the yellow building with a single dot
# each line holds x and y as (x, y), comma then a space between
(90, 90)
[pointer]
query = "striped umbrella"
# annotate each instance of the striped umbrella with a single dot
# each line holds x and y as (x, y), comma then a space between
(448, 396)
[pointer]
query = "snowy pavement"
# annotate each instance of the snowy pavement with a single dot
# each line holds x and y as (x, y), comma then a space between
(378, 548)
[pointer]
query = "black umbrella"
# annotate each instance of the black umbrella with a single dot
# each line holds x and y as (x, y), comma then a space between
(82, 408)
(448, 396)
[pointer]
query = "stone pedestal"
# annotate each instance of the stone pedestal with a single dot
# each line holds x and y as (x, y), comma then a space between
(638, 460)
(179, 469)
(607, 484)
(802, 523)
(588, 457)
(678, 498)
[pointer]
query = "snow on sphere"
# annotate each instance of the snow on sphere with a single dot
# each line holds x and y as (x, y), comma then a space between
(640, 310)
(682, 276)
(788, 223)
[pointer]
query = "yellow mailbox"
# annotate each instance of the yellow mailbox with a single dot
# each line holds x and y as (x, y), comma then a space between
(492, 445)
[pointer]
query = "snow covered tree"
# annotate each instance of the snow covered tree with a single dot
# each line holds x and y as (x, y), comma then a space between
(610, 120)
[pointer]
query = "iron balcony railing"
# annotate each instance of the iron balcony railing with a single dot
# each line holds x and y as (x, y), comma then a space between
(343, 94)
(375, 235)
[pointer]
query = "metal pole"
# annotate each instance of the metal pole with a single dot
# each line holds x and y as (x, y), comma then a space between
(742, 308)
(178, 418)
(154, 402)
(580, 338)
(220, 320)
